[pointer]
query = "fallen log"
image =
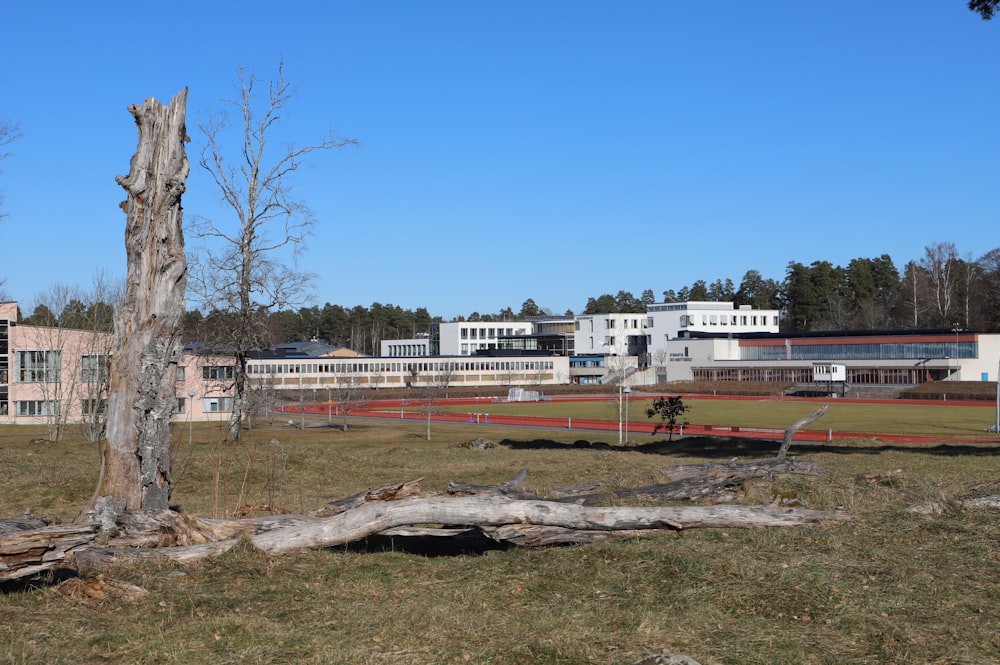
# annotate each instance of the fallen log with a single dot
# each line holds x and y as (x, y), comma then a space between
(522, 522)
(28, 552)
(497, 511)
(750, 469)
(715, 482)
(991, 502)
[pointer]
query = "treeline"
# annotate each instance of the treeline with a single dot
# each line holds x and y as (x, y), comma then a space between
(941, 289)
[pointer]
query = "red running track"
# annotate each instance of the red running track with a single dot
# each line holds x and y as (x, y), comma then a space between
(396, 409)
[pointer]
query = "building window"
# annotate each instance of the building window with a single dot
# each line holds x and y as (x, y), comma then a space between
(94, 367)
(218, 372)
(181, 405)
(465, 333)
(93, 407)
(217, 404)
(38, 366)
(38, 407)
(181, 373)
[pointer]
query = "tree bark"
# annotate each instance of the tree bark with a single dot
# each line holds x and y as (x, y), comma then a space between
(135, 459)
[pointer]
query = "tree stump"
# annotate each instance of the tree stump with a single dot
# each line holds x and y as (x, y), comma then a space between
(135, 459)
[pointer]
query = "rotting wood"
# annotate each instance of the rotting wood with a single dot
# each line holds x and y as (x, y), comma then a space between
(389, 492)
(28, 552)
(23, 522)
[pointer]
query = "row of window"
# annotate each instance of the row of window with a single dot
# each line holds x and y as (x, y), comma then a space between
(895, 376)
(486, 333)
(407, 349)
(344, 368)
(864, 351)
(89, 407)
(46, 367)
(688, 320)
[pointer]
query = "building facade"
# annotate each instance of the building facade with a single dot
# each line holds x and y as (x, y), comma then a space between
(465, 338)
(869, 358)
(52, 375)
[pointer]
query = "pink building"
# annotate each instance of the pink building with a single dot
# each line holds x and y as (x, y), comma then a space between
(58, 376)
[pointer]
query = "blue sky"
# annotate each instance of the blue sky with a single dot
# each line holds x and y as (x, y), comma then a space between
(510, 150)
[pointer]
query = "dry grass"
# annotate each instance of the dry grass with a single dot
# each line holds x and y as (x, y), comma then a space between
(888, 587)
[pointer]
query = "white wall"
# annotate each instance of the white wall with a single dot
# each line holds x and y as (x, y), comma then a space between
(463, 338)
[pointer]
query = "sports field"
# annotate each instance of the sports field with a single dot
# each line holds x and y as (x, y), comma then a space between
(897, 420)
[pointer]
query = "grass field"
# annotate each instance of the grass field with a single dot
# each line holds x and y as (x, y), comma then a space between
(889, 586)
(923, 419)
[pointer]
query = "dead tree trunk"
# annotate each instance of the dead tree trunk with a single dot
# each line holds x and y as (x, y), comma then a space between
(796, 426)
(135, 459)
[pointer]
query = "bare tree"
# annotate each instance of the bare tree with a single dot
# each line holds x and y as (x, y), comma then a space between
(347, 393)
(940, 264)
(915, 280)
(74, 341)
(441, 374)
(242, 274)
(9, 133)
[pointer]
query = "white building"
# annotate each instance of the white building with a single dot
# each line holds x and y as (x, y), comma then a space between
(869, 358)
(668, 321)
(414, 346)
(611, 334)
(464, 338)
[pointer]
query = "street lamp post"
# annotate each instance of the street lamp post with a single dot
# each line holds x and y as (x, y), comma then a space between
(627, 392)
(190, 416)
(620, 413)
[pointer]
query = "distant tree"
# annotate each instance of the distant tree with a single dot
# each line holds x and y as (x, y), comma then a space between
(985, 8)
(698, 291)
(989, 274)
(758, 292)
(871, 287)
(814, 296)
(968, 281)
(626, 303)
(604, 304)
(670, 296)
(647, 298)
(41, 315)
(670, 410)
(529, 308)
(940, 263)
(913, 294)
(722, 291)
(243, 273)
